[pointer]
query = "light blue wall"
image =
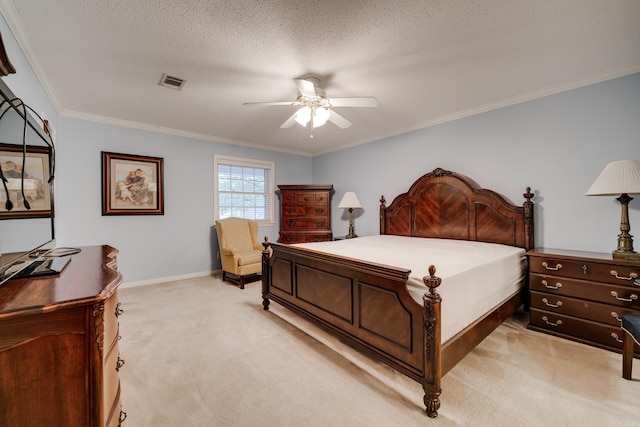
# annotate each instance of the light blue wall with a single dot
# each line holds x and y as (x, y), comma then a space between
(180, 242)
(557, 145)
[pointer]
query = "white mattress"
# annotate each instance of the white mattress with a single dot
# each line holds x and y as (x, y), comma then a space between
(476, 276)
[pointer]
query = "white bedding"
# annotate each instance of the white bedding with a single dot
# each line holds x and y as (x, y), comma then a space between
(476, 276)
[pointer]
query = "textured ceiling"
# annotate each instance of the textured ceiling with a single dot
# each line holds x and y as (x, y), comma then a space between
(425, 61)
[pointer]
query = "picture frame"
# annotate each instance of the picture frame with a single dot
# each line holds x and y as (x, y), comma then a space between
(32, 185)
(132, 184)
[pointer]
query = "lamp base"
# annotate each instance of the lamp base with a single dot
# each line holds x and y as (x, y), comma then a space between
(633, 256)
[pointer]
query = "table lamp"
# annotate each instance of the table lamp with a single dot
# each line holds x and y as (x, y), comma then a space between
(350, 201)
(620, 179)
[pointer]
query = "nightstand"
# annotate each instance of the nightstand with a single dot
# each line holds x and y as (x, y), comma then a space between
(582, 296)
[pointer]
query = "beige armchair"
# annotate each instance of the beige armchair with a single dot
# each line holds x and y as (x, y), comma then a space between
(240, 251)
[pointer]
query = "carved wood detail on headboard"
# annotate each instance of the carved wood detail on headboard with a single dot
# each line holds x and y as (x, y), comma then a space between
(444, 204)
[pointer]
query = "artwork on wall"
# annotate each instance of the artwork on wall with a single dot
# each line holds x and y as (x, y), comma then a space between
(132, 185)
(26, 182)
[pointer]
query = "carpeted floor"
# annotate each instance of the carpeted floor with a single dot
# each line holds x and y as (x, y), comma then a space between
(202, 352)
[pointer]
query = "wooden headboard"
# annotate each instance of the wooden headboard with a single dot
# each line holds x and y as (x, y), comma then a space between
(447, 205)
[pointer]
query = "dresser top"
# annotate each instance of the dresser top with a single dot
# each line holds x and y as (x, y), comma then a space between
(569, 254)
(90, 276)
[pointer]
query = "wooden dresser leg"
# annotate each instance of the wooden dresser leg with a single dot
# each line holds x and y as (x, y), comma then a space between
(627, 355)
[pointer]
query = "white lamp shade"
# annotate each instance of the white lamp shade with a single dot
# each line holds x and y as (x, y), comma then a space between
(320, 116)
(303, 116)
(621, 177)
(349, 200)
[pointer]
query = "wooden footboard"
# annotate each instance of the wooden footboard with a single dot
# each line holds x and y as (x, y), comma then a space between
(366, 305)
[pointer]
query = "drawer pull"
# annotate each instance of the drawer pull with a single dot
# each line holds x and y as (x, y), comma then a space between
(633, 297)
(631, 276)
(556, 268)
(546, 320)
(119, 311)
(548, 286)
(615, 337)
(615, 316)
(119, 364)
(291, 223)
(556, 305)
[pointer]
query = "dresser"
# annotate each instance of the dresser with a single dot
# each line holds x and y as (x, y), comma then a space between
(582, 295)
(305, 213)
(59, 357)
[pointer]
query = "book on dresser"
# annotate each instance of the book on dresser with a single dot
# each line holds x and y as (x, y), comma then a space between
(305, 213)
(582, 296)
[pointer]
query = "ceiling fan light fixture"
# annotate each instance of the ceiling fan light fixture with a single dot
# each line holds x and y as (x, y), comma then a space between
(320, 116)
(303, 116)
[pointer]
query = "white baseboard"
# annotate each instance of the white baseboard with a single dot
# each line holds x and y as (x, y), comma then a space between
(170, 279)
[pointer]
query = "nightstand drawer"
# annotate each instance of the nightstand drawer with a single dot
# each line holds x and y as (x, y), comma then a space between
(577, 329)
(592, 291)
(618, 274)
(589, 310)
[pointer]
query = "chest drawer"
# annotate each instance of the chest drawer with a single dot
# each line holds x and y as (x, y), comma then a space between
(292, 237)
(300, 210)
(590, 310)
(306, 223)
(622, 296)
(578, 329)
(585, 270)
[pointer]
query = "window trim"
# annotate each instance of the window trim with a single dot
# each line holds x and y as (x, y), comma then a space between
(239, 161)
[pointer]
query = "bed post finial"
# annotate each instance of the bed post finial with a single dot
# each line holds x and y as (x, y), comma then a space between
(431, 383)
(528, 219)
(383, 228)
(266, 255)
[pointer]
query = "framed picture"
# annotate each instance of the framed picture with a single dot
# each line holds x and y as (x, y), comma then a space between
(27, 179)
(132, 185)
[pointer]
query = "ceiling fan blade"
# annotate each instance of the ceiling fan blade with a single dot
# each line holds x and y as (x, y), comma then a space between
(364, 101)
(306, 88)
(290, 121)
(286, 103)
(338, 120)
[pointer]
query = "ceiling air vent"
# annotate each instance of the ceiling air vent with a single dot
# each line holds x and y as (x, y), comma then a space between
(172, 82)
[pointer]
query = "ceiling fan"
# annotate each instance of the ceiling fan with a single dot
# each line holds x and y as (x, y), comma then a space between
(316, 107)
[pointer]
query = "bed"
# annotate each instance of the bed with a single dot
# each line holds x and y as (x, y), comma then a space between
(369, 300)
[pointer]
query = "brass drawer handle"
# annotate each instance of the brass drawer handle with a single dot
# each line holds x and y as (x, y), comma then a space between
(546, 320)
(615, 337)
(633, 297)
(631, 276)
(547, 285)
(556, 305)
(556, 268)
(615, 316)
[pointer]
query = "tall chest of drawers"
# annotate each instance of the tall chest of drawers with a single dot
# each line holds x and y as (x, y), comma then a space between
(59, 357)
(305, 213)
(582, 295)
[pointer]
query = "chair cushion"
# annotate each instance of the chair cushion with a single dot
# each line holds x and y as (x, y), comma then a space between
(250, 257)
(631, 324)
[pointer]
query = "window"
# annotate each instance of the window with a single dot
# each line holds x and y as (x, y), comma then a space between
(243, 188)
